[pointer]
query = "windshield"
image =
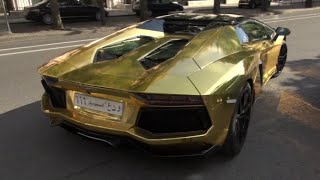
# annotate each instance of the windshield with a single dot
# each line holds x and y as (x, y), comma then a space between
(163, 53)
(118, 49)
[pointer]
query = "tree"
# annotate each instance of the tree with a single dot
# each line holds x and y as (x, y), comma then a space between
(3, 7)
(102, 12)
(265, 5)
(143, 10)
(308, 4)
(55, 15)
(216, 6)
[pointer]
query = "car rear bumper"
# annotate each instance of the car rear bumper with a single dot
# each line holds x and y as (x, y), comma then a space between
(116, 141)
(97, 129)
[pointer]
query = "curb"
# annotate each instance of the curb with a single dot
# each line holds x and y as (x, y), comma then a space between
(301, 10)
(270, 12)
(5, 36)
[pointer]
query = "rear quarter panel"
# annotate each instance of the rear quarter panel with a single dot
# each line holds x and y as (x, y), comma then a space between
(221, 78)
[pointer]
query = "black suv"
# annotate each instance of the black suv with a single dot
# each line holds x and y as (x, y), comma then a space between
(157, 6)
(68, 9)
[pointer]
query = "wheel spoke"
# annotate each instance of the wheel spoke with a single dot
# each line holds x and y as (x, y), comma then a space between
(245, 102)
(243, 115)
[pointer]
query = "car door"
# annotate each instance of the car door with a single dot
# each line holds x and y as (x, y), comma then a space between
(85, 10)
(155, 6)
(63, 4)
(166, 6)
(259, 39)
(73, 8)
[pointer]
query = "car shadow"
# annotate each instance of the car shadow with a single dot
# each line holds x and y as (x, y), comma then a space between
(29, 144)
(301, 77)
(280, 142)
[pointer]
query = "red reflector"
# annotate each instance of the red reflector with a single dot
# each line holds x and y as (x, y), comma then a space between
(164, 99)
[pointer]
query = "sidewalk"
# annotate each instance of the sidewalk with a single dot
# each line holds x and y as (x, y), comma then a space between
(23, 28)
(18, 17)
(276, 8)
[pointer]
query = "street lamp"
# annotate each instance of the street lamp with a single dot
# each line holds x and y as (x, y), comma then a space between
(5, 16)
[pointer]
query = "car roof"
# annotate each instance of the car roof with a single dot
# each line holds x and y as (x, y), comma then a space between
(199, 21)
(205, 18)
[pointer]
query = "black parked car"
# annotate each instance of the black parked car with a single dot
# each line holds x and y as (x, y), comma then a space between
(68, 9)
(157, 6)
(251, 3)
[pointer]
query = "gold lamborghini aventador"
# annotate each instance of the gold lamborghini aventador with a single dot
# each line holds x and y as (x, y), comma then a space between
(183, 82)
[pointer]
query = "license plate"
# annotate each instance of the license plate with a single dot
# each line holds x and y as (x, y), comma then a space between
(98, 104)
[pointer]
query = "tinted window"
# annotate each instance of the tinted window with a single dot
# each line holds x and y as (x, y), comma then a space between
(255, 31)
(153, 25)
(118, 49)
(270, 31)
(163, 53)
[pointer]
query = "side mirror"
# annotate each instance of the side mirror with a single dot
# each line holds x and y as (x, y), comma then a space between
(281, 31)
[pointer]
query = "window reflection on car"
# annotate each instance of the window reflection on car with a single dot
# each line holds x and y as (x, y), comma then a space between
(163, 53)
(252, 31)
(243, 38)
(120, 48)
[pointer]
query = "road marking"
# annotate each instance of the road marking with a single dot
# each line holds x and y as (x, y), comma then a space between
(41, 45)
(280, 20)
(39, 50)
(288, 17)
(291, 18)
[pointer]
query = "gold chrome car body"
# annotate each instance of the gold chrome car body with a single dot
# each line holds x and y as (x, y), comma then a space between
(212, 65)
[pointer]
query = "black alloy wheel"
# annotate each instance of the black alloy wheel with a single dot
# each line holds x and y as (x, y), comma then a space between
(239, 124)
(252, 5)
(47, 19)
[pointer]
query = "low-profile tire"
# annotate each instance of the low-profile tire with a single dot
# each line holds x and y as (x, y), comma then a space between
(252, 5)
(47, 19)
(282, 59)
(239, 123)
(179, 9)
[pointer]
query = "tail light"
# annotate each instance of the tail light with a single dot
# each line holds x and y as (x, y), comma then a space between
(50, 80)
(164, 99)
(56, 95)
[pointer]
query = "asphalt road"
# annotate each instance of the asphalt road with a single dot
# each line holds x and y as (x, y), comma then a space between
(283, 140)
